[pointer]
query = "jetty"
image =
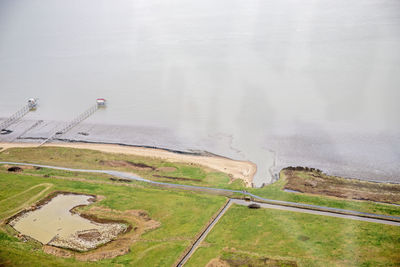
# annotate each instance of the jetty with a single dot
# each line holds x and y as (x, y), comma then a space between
(31, 105)
(100, 103)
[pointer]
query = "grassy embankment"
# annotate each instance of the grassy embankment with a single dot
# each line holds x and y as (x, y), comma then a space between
(246, 237)
(275, 191)
(181, 214)
(314, 181)
(197, 175)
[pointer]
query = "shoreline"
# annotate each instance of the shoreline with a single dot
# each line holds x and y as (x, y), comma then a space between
(244, 170)
(368, 157)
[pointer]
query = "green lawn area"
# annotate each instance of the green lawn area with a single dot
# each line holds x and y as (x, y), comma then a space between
(246, 235)
(181, 213)
(91, 159)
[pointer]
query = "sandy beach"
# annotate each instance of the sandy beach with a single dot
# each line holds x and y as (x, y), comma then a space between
(244, 170)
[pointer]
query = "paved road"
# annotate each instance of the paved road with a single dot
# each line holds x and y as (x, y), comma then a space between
(349, 214)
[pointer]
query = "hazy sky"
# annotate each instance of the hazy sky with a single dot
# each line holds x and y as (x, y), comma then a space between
(204, 64)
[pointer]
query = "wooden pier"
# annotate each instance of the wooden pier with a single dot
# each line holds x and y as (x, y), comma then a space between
(32, 105)
(99, 103)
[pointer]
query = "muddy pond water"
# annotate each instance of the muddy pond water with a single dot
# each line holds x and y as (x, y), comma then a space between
(54, 224)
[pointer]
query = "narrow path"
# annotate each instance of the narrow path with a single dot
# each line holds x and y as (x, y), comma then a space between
(28, 202)
(204, 234)
(334, 211)
(48, 185)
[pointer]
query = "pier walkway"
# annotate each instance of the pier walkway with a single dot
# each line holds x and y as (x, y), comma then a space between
(72, 123)
(19, 114)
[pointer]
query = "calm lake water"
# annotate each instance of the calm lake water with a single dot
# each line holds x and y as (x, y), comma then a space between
(252, 76)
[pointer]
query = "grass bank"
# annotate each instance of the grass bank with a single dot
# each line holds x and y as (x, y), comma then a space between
(276, 191)
(316, 182)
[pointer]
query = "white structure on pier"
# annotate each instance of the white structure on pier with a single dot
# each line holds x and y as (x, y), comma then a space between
(32, 105)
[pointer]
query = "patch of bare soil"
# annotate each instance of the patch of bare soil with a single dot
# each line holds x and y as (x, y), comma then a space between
(240, 259)
(262, 262)
(90, 235)
(166, 169)
(57, 251)
(128, 164)
(175, 178)
(139, 219)
(308, 180)
(217, 263)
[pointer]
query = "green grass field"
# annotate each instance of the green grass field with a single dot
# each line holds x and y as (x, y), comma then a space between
(246, 236)
(182, 215)
(90, 159)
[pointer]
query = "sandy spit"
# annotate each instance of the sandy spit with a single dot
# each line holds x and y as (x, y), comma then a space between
(244, 170)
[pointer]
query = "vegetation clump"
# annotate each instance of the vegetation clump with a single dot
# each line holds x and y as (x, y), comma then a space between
(120, 180)
(314, 181)
(15, 169)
